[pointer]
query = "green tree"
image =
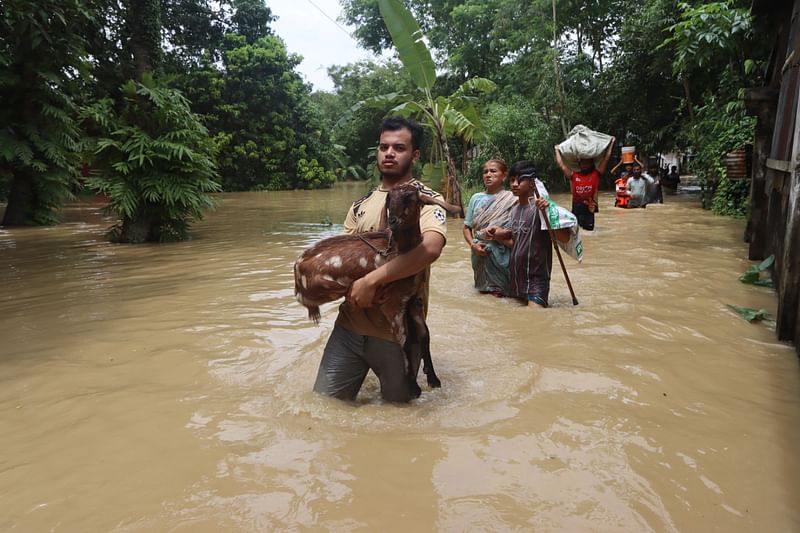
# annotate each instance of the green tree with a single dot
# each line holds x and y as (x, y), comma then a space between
(713, 42)
(251, 18)
(194, 30)
(42, 63)
(454, 115)
(143, 19)
(355, 83)
(260, 113)
(155, 162)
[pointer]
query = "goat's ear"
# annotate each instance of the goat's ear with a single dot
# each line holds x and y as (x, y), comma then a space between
(455, 210)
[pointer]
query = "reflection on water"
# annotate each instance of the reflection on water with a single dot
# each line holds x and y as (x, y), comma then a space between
(167, 387)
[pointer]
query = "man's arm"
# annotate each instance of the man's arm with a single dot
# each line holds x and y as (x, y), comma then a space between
(563, 166)
(601, 168)
(362, 291)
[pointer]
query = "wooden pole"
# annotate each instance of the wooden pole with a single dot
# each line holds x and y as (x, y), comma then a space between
(555, 245)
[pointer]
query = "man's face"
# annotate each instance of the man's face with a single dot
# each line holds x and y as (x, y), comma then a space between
(586, 165)
(637, 171)
(521, 187)
(396, 155)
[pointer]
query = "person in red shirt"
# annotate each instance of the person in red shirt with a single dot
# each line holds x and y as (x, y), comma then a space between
(585, 185)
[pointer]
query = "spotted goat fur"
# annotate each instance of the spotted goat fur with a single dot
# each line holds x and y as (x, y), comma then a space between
(324, 273)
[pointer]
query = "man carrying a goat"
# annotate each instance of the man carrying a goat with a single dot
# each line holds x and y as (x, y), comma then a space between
(361, 339)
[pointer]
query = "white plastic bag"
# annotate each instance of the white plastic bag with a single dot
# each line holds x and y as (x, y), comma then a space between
(583, 143)
(561, 218)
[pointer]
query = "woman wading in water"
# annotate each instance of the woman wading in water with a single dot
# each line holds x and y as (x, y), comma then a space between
(485, 209)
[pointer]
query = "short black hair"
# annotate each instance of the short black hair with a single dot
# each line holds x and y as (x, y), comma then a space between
(522, 168)
(398, 123)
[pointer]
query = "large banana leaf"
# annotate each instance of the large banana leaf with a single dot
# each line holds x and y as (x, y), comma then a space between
(407, 38)
(375, 102)
(433, 174)
(459, 124)
(408, 108)
(382, 101)
(481, 85)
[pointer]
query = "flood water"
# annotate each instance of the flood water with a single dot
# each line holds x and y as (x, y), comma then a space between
(168, 387)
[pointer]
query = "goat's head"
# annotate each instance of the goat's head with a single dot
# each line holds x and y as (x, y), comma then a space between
(403, 204)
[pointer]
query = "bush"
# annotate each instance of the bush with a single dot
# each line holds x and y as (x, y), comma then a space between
(155, 162)
(731, 197)
(517, 131)
(312, 175)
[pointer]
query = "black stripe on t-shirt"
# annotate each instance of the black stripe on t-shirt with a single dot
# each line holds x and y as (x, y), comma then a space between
(361, 200)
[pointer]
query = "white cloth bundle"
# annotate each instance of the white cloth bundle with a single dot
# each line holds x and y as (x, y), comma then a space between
(583, 143)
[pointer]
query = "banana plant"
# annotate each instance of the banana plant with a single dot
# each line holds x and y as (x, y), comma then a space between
(456, 115)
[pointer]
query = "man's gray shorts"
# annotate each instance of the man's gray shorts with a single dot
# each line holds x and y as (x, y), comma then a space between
(349, 357)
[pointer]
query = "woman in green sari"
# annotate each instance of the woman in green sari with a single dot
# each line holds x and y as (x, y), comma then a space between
(485, 209)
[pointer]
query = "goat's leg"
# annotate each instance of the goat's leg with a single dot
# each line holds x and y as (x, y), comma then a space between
(416, 315)
(396, 312)
(408, 348)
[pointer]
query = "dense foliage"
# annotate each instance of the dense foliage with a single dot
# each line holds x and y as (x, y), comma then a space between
(42, 53)
(260, 114)
(264, 129)
(157, 171)
(664, 75)
(640, 70)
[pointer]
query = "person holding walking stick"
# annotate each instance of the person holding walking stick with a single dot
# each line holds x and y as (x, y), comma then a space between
(531, 245)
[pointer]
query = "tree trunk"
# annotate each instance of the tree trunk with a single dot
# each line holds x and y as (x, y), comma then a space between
(21, 200)
(144, 18)
(144, 226)
(453, 190)
(688, 95)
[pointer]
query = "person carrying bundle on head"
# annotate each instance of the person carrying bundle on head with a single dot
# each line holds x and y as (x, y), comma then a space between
(583, 159)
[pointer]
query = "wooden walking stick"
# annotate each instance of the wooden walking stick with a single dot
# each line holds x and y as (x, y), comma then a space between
(555, 244)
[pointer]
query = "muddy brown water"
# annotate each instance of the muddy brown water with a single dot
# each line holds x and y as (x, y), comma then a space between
(167, 387)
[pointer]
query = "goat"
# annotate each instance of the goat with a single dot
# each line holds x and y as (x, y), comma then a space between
(324, 273)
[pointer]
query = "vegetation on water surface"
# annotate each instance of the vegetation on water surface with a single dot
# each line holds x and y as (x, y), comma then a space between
(750, 314)
(752, 276)
(659, 74)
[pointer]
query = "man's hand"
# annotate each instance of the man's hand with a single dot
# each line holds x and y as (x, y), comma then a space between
(362, 292)
(590, 203)
(542, 203)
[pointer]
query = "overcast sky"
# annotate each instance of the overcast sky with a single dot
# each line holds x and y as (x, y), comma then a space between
(308, 32)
